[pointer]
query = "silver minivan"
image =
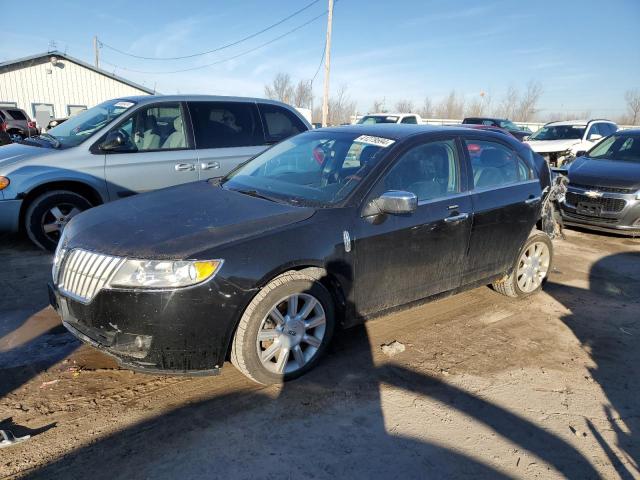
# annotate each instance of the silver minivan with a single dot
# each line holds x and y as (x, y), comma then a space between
(131, 145)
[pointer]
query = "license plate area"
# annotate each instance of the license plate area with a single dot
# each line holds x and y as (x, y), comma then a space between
(590, 209)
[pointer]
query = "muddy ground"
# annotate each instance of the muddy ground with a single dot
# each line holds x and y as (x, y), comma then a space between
(486, 387)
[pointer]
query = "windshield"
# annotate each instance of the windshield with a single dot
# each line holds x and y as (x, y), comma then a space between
(371, 119)
(80, 127)
(617, 147)
(559, 132)
(313, 168)
(508, 124)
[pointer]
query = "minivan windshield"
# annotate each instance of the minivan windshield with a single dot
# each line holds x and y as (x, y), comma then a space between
(559, 132)
(617, 147)
(314, 168)
(81, 126)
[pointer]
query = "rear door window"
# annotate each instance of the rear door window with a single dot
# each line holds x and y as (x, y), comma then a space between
(280, 123)
(494, 164)
(226, 124)
(412, 120)
(17, 114)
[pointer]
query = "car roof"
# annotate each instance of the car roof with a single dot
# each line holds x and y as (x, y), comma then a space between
(387, 114)
(629, 132)
(578, 122)
(142, 99)
(486, 118)
(398, 131)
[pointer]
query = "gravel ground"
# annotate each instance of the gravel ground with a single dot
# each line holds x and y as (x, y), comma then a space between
(484, 387)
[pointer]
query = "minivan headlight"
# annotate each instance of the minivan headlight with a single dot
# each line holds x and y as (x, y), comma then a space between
(4, 182)
(164, 273)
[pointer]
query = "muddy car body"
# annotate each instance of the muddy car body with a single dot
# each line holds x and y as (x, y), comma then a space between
(331, 226)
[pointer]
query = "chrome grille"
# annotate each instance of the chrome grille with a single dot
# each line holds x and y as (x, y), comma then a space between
(604, 189)
(83, 274)
(608, 204)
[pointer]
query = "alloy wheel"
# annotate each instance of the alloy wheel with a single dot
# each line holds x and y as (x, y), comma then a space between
(56, 218)
(533, 267)
(291, 334)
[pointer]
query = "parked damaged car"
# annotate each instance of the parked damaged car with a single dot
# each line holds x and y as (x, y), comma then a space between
(604, 186)
(326, 229)
(127, 146)
(561, 142)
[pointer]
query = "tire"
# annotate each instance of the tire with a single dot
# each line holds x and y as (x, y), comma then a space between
(515, 284)
(40, 222)
(246, 351)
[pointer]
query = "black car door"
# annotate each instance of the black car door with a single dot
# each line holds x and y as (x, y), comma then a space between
(506, 200)
(402, 258)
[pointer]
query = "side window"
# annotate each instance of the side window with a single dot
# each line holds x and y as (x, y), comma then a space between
(494, 164)
(607, 129)
(158, 127)
(412, 120)
(279, 123)
(225, 124)
(594, 130)
(430, 170)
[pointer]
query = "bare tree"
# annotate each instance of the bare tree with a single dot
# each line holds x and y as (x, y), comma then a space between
(404, 106)
(451, 107)
(303, 94)
(281, 88)
(341, 108)
(526, 109)
(509, 103)
(632, 97)
(378, 106)
(427, 108)
(478, 107)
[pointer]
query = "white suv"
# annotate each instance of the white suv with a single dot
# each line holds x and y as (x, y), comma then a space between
(557, 142)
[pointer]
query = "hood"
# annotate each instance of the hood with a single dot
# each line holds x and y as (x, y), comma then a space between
(605, 173)
(547, 146)
(178, 222)
(19, 152)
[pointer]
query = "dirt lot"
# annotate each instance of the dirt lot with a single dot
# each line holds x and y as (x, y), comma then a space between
(548, 387)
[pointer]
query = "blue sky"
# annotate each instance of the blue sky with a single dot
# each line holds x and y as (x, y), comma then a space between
(584, 53)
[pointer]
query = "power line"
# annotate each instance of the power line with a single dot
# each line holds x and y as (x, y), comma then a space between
(246, 52)
(232, 44)
(324, 50)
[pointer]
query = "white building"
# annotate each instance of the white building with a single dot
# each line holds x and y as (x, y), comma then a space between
(56, 85)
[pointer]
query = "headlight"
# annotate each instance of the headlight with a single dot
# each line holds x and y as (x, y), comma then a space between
(164, 273)
(4, 183)
(58, 256)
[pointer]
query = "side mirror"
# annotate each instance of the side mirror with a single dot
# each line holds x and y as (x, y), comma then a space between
(113, 141)
(396, 202)
(595, 136)
(581, 153)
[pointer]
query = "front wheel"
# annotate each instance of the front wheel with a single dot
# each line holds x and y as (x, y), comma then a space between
(285, 330)
(49, 213)
(530, 269)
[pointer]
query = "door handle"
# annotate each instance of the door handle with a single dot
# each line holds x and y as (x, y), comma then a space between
(457, 218)
(185, 167)
(209, 165)
(533, 200)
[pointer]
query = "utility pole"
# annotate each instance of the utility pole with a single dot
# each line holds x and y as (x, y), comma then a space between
(327, 68)
(96, 51)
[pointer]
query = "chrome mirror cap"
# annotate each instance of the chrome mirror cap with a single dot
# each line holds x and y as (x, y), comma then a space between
(396, 202)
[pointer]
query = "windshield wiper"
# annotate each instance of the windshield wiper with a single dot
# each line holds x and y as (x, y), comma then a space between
(53, 140)
(255, 193)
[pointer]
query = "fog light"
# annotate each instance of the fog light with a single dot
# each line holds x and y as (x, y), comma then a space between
(131, 345)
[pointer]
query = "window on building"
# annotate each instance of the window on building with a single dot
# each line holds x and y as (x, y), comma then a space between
(8, 104)
(43, 113)
(75, 109)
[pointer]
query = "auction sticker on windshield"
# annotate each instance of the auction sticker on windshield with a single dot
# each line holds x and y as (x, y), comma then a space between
(377, 141)
(124, 104)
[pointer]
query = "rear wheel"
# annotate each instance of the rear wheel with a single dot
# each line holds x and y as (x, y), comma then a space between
(530, 270)
(285, 329)
(49, 213)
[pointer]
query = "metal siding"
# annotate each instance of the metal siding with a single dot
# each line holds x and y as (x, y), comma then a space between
(67, 84)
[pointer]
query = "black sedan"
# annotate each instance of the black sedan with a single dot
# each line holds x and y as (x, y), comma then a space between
(604, 186)
(327, 228)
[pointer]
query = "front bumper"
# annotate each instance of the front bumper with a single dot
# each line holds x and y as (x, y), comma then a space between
(611, 212)
(183, 331)
(10, 215)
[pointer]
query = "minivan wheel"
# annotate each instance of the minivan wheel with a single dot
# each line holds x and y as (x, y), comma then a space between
(530, 269)
(285, 330)
(49, 213)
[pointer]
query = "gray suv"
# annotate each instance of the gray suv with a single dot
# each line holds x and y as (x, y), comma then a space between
(127, 146)
(17, 123)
